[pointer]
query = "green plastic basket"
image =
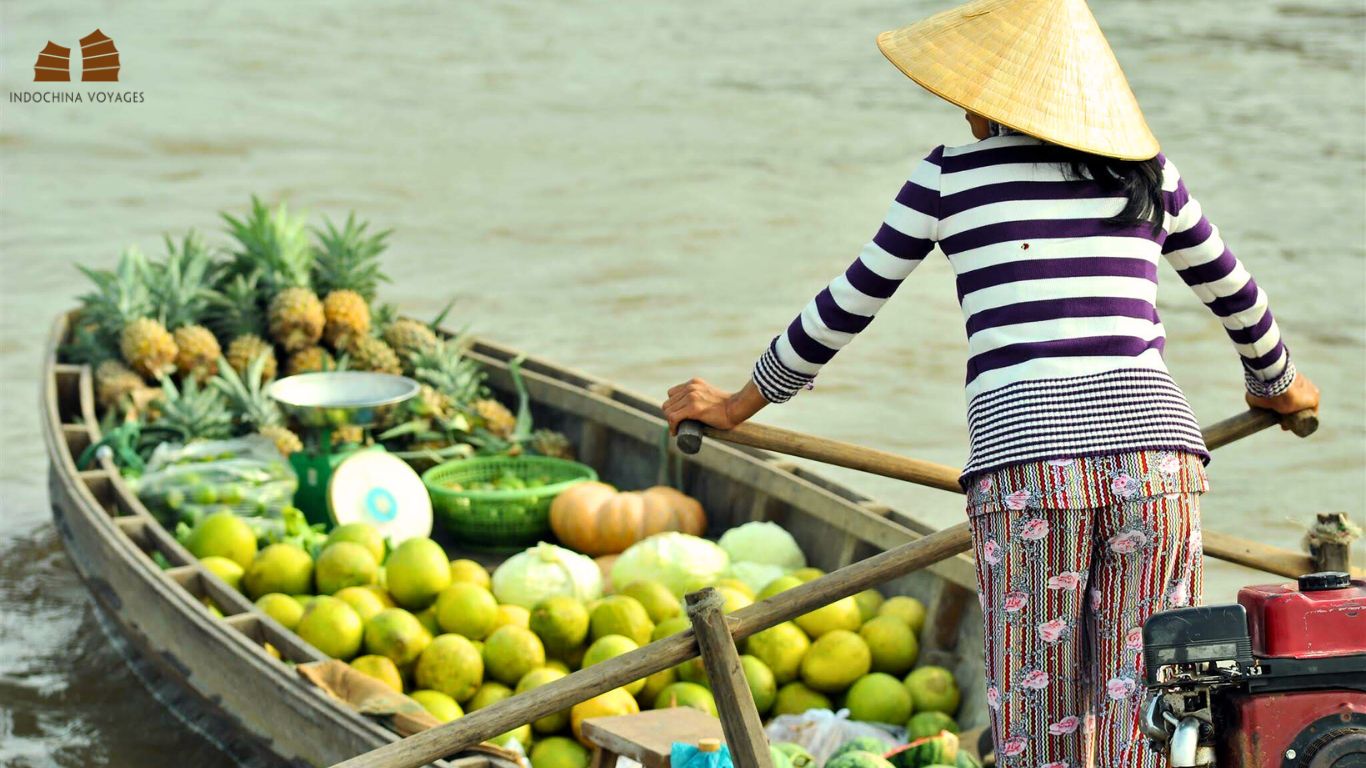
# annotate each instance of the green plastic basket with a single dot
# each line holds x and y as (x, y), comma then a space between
(500, 519)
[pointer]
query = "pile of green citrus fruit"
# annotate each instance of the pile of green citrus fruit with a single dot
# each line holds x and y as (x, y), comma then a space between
(431, 628)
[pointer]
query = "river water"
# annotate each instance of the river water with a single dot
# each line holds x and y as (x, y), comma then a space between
(645, 191)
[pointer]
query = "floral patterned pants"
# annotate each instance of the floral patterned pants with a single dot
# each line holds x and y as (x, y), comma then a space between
(1065, 593)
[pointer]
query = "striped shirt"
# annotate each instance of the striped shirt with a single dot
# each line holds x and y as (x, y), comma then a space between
(1065, 343)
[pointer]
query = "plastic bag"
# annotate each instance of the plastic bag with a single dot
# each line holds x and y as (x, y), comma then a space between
(245, 475)
(821, 732)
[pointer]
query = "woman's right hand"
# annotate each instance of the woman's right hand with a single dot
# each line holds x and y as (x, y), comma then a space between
(1302, 396)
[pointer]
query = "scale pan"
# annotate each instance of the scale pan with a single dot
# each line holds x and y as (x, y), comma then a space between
(340, 398)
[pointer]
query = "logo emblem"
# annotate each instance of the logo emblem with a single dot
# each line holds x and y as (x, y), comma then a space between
(99, 61)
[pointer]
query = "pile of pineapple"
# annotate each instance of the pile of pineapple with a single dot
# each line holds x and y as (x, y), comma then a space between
(185, 346)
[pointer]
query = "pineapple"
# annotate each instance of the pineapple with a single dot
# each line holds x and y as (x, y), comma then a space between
(409, 338)
(120, 296)
(273, 247)
(235, 310)
(115, 384)
(244, 349)
(548, 442)
(347, 317)
(347, 433)
(296, 318)
(495, 416)
(286, 442)
(431, 402)
(197, 351)
(370, 354)
(348, 259)
(179, 286)
(148, 347)
(445, 369)
(309, 360)
(189, 413)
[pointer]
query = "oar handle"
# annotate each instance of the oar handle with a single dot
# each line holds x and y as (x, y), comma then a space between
(689, 438)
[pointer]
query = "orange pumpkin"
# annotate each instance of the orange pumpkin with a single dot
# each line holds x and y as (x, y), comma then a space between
(597, 519)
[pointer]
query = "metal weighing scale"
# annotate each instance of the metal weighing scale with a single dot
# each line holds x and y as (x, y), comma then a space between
(352, 483)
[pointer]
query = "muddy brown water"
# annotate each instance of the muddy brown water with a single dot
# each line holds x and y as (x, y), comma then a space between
(645, 191)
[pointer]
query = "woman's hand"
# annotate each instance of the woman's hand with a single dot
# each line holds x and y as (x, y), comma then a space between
(1302, 396)
(696, 399)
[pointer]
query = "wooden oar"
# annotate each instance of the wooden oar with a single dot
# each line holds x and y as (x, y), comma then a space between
(1275, 560)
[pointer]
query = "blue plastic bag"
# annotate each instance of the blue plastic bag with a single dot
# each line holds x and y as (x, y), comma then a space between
(683, 755)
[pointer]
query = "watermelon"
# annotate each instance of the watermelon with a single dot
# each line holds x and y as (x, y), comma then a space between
(860, 744)
(924, 752)
(924, 724)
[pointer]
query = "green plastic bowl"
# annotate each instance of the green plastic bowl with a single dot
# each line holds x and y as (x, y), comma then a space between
(500, 519)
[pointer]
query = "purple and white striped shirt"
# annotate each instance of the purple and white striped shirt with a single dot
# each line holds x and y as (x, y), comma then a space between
(1065, 344)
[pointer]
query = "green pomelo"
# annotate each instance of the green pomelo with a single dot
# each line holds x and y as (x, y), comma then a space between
(781, 648)
(521, 734)
(472, 572)
(279, 568)
(841, 614)
(878, 698)
(452, 665)
(610, 647)
(223, 534)
(686, 695)
(620, 615)
(491, 692)
(381, 668)
(738, 586)
(933, 689)
(780, 584)
(908, 609)
(869, 600)
(559, 752)
(659, 602)
(332, 627)
(669, 627)
(466, 609)
(808, 574)
(362, 600)
(762, 686)
(733, 599)
(227, 570)
(654, 684)
(281, 607)
(562, 624)
(397, 634)
(511, 652)
(359, 533)
(438, 705)
(344, 564)
(835, 661)
(892, 644)
(416, 572)
(795, 698)
(858, 759)
(535, 679)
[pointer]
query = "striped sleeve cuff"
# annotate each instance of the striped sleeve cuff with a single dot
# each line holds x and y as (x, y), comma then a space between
(776, 382)
(1272, 387)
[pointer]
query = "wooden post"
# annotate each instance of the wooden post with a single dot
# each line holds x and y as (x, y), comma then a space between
(739, 717)
(1330, 542)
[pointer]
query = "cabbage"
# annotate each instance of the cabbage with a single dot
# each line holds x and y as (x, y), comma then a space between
(680, 562)
(546, 570)
(763, 542)
(756, 576)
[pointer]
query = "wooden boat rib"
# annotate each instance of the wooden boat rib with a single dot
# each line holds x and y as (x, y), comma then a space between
(262, 712)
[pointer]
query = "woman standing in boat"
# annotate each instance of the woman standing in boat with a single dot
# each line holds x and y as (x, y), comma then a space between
(1086, 463)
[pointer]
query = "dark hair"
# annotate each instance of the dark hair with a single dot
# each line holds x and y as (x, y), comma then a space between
(1140, 181)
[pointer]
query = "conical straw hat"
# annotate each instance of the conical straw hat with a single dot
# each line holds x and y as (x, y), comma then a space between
(1042, 67)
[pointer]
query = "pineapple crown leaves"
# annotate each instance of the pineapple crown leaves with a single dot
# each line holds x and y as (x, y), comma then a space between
(446, 369)
(180, 286)
(191, 413)
(235, 308)
(348, 258)
(246, 395)
(120, 296)
(86, 347)
(273, 244)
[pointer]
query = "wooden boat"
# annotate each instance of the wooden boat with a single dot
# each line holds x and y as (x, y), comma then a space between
(222, 679)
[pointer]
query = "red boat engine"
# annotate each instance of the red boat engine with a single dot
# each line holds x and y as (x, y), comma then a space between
(1276, 681)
